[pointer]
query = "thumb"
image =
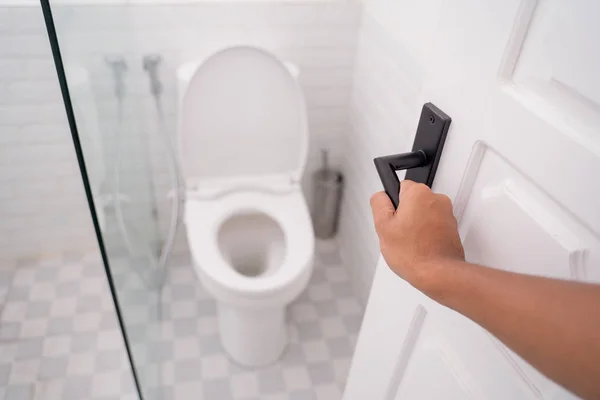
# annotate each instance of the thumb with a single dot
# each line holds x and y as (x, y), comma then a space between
(382, 208)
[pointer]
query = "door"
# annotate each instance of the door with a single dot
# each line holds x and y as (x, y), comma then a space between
(521, 81)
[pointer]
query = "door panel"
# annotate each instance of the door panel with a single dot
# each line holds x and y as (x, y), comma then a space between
(431, 356)
(504, 208)
(562, 35)
(521, 81)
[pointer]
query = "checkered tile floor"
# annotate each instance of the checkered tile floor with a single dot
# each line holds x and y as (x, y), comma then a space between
(59, 338)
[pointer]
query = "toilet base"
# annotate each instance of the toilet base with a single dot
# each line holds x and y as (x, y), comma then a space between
(252, 337)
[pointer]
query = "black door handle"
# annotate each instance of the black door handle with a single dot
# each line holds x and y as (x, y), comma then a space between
(424, 158)
(388, 165)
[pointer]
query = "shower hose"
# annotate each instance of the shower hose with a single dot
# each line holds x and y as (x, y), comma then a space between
(152, 277)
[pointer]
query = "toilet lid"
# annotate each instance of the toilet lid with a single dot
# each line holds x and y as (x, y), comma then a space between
(243, 115)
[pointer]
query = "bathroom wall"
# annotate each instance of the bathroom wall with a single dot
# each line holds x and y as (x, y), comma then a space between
(43, 209)
(42, 206)
(390, 68)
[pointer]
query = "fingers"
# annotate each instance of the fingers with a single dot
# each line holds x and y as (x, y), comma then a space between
(417, 189)
(382, 208)
(405, 186)
(418, 192)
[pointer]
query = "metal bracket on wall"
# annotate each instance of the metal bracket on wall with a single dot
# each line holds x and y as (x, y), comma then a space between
(424, 158)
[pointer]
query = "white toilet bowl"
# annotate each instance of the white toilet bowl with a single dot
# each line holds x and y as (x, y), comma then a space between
(253, 253)
(244, 139)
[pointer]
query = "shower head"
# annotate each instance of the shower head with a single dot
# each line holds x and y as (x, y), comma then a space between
(150, 63)
(118, 66)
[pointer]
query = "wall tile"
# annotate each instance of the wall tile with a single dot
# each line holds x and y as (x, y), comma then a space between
(42, 204)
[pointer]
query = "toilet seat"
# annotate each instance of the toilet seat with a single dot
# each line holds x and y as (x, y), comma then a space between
(204, 217)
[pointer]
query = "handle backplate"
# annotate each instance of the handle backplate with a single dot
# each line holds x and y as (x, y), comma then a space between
(422, 162)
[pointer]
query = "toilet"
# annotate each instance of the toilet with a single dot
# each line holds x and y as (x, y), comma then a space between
(243, 140)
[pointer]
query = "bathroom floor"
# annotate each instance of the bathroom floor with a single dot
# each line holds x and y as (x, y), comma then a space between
(59, 335)
(59, 338)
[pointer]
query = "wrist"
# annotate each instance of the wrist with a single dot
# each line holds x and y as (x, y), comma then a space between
(438, 278)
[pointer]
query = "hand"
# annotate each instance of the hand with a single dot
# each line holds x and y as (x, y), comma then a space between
(420, 235)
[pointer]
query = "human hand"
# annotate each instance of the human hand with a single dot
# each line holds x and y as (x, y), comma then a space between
(420, 235)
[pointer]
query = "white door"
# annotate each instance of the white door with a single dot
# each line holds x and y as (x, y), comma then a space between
(521, 81)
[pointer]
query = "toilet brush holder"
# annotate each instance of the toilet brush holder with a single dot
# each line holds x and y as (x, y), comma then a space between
(327, 195)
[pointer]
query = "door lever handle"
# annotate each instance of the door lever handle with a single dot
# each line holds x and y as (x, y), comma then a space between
(424, 158)
(388, 165)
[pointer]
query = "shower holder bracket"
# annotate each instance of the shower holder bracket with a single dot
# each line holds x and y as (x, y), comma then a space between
(422, 162)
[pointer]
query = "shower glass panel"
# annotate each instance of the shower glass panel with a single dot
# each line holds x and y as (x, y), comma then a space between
(116, 96)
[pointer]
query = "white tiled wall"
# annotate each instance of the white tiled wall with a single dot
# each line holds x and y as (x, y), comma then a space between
(43, 209)
(391, 60)
(318, 36)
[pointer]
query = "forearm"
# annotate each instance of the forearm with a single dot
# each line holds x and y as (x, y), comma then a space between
(553, 324)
